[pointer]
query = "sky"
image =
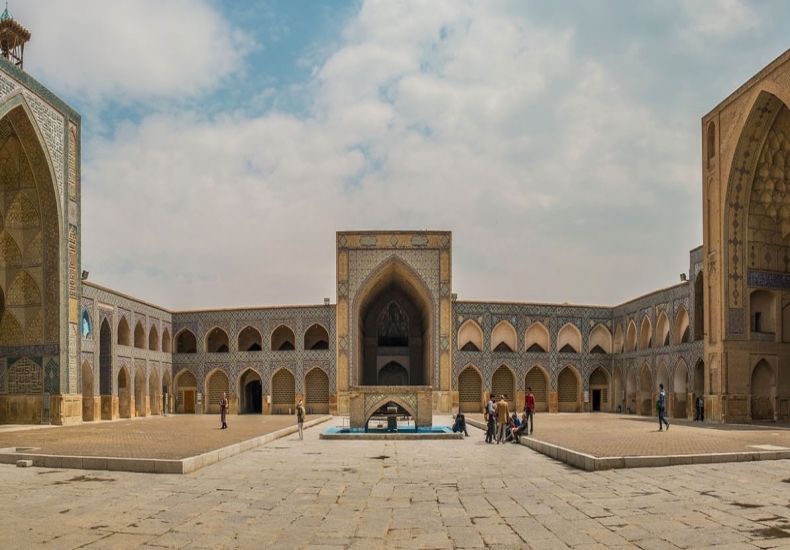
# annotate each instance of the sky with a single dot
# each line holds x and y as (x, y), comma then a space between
(225, 142)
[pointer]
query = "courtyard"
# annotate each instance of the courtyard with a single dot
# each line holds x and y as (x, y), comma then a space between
(404, 494)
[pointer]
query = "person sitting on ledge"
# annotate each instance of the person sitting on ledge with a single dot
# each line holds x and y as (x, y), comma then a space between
(460, 424)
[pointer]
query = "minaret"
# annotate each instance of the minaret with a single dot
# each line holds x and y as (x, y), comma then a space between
(12, 38)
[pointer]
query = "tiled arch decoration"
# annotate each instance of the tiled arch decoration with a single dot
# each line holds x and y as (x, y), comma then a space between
(735, 258)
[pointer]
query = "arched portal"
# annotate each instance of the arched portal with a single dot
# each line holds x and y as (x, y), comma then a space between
(470, 390)
(394, 325)
(599, 390)
(763, 391)
(680, 387)
(250, 392)
(185, 392)
(538, 380)
(316, 387)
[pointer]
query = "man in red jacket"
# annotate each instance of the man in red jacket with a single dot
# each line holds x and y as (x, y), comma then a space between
(529, 411)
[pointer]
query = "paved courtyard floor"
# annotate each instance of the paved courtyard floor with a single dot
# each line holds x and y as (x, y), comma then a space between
(399, 494)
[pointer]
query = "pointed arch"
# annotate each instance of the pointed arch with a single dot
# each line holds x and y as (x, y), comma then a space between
(154, 396)
(250, 391)
(470, 389)
(630, 336)
(537, 378)
(699, 307)
(87, 392)
(600, 339)
(680, 330)
(763, 390)
(186, 341)
(619, 339)
(153, 338)
(569, 385)
(503, 382)
(662, 377)
(185, 390)
(283, 339)
(631, 390)
(316, 337)
(537, 338)
(385, 400)
(646, 333)
(166, 342)
(470, 336)
(283, 387)
(618, 392)
(250, 339)
(10, 253)
(139, 335)
(599, 384)
(86, 324)
(124, 334)
(569, 339)
(140, 395)
(316, 384)
(124, 393)
(662, 330)
(504, 337)
(105, 359)
(217, 383)
(217, 342)
(646, 390)
(23, 291)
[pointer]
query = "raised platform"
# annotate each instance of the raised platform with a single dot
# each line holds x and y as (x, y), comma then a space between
(403, 434)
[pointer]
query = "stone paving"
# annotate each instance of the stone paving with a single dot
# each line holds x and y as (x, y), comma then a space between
(399, 494)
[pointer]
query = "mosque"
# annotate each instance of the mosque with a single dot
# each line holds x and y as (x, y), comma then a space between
(72, 351)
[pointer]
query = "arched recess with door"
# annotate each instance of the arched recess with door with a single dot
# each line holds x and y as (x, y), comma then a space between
(538, 379)
(504, 337)
(316, 388)
(124, 393)
(537, 338)
(599, 388)
(470, 336)
(186, 387)
(283, 387)
(680, 389)
(250, 391)
(316, 337)
(503, 382)
(763, 390)
(569, 386)
(470, 390)
(217, 383)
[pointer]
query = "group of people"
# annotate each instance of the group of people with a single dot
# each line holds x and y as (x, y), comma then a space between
(504, 426)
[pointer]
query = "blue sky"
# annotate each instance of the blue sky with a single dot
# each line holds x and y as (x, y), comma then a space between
(224, 143)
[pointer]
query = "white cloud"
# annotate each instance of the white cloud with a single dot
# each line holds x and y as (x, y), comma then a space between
(130, 49)
(440, 115)
(720, 17)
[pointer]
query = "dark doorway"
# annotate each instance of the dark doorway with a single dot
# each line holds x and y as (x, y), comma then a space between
(596, 400)
(393, 374)
(253, 397)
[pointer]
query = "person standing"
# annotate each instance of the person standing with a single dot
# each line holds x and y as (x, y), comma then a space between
(491, 419)
(223, 410)
(662, 408)
(300, 418)
(529, 412)
(502, 417)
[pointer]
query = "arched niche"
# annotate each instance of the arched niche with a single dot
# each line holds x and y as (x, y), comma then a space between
(503, 382)
(166, 343)
(470, 390)
(470, 336)
(217, 341)
(139, 335)
(631, 390)
(619, 339)
(86, 324)
(316, 337)
(646, 334)
(395, 312)
(662, 377)
(630, 337)
(124, 333)
(153, 339)
(250, 392)
(283, 388)
(250, 339)
(569, 339)
(600, 339)
(283, 339)
(599, 387)
(154, 397)
(569, 390)
(537, 338)
(680, 389)
(503, 337)
(537, 379)
(763, 391)
(316, 384)
(680, 331)
(762, 306)
(662, 330)
(186, 342)
(217, 383)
